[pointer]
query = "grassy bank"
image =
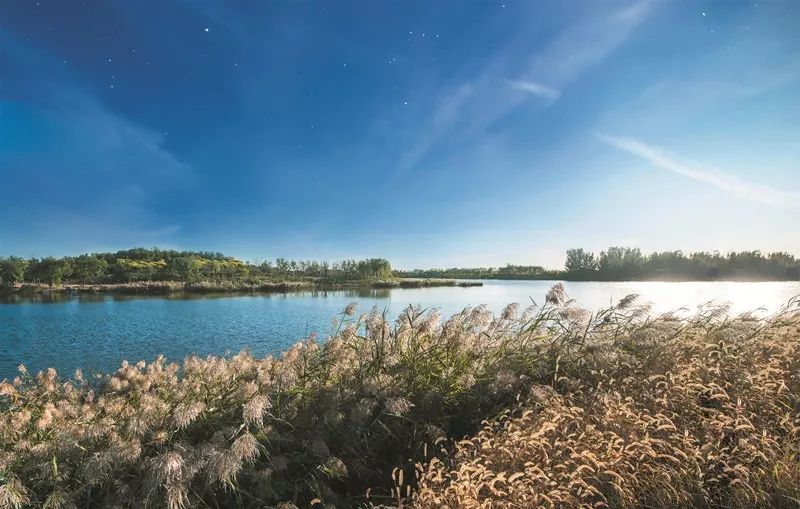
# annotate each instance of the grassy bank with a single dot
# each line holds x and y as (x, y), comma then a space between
(559, 407)
(255, 285)
(423, 283)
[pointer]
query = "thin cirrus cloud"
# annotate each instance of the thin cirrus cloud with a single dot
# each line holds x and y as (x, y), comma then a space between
(532, 87)
(470, 103)
(732, 184)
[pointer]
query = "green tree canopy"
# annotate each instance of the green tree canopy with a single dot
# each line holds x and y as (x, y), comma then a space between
(12, 270)
(580, 261)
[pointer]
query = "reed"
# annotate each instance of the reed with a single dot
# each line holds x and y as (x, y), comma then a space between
(673, 413)
(559, 407)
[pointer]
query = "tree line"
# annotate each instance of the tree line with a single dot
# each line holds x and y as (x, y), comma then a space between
(612, 264)
(623, 263)
(139, 264)
(628, 264)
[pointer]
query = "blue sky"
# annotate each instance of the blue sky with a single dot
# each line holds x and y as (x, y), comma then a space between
(430, 133)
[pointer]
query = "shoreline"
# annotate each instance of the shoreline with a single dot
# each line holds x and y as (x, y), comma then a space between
(566, 279)
(167, 287)
(223, 287)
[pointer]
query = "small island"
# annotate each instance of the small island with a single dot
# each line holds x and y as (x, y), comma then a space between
(160, 271)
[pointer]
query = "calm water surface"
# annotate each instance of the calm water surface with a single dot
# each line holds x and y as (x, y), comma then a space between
(96, 332)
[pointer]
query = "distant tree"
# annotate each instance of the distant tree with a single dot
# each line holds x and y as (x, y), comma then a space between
(125, 269)
(784, 265)
(381, 268)
(580, 262)
(281, 266)
(620, 263)
(183, 268)
(12, 270)
(88, 268)
(48, 270)
(611, 259)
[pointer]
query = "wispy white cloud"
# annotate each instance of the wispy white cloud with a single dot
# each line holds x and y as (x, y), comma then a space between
(732, 184)
(587, 42)
(472, 101)
(535, 88)
(443, 116)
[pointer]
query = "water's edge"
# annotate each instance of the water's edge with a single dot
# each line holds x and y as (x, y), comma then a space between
(96, 330)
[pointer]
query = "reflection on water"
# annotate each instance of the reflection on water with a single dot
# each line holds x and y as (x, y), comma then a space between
(95, 331)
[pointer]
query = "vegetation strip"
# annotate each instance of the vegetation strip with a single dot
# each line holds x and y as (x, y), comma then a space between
(157, 270)
(163, 271)
(630, 264)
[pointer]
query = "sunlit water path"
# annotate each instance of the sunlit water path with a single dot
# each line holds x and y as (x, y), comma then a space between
(96, 332)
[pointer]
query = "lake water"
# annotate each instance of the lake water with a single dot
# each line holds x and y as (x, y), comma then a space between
(96, 332)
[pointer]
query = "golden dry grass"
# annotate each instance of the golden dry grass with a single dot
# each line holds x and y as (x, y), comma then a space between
(701, 413)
